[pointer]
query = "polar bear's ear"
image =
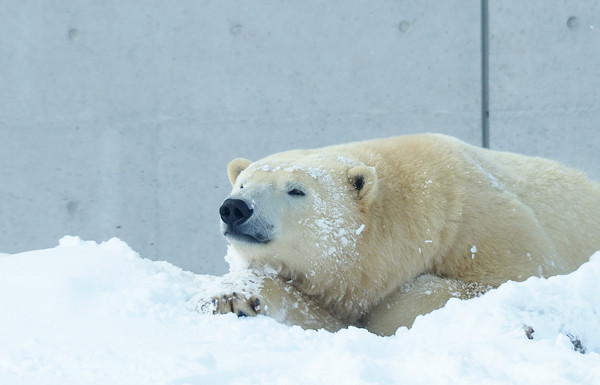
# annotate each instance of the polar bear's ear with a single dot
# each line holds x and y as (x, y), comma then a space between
(364, 180)
(235, 167)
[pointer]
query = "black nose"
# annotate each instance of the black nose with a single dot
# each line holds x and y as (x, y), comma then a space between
(235, 211)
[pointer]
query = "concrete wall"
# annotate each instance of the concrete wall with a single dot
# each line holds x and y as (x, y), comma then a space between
(545, 80)
(119, 118)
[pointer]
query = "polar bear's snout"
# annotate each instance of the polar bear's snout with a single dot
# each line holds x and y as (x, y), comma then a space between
(235, 212)
(241, 223)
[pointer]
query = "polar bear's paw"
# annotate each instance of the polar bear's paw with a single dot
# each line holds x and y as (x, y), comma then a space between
(244, 305)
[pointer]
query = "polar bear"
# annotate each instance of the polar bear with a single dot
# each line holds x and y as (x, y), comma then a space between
(374, 233)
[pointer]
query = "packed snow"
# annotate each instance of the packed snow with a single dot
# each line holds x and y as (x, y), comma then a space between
(89, 313)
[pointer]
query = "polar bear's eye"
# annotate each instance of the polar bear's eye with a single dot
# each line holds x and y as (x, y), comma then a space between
(296, 192)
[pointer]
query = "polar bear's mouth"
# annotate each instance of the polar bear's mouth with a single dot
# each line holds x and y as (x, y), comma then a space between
(234, 234)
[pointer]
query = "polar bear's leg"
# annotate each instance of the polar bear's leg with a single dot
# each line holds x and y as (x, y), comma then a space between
(281, 301)
(421, 296)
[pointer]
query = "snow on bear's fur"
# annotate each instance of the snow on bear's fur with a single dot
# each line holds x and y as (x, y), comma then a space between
(374, 233)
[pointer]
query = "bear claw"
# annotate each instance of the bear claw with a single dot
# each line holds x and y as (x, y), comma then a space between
(241, 305)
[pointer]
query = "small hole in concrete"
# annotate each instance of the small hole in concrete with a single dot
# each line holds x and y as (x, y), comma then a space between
(72, 207)
(404, 26)
(236, 30)
(73, 34)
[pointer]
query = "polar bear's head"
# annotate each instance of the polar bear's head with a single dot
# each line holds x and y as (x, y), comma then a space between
(299, 210)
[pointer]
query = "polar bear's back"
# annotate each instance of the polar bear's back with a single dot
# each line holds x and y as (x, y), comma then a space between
(515, 215)
(565, 203)
(562, 202)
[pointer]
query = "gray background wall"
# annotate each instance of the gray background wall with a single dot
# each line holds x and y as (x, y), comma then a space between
(119, 118)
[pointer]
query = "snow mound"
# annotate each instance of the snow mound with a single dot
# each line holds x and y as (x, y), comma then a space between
(88, 313)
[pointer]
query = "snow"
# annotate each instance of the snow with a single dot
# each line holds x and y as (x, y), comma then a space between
(89, 313)
(360, 229)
